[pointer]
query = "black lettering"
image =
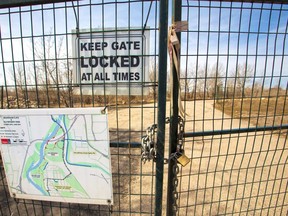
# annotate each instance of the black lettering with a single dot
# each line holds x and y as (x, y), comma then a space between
(135, 61)
(124, 76)
(104, 44)
(109, 61)
(137, 76)
(89, 76)
(113, 60)
(131, 76)
(102, 61)
(129, 44)
(97, 77)
(114, 45)
(124, 61)
(122, 46)
(101, 76)
(84, 77)
(93, 61)
(83, 46)
(98, 46)
(82, 60)
(91, 46)
(106, 77)
(137, 45)
(115, 75)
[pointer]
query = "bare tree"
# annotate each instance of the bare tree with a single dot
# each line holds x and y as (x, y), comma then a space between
(54, 69)
(153, 78)
(187, 80)
(199, 82)
(242, 76)
(214, 79)
(257, 87)
(21, 78)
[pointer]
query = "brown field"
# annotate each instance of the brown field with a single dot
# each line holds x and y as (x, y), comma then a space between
(257, 111)
(229, 174)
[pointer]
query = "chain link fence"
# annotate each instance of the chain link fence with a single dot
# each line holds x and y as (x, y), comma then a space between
(233, 89)
(37, 72)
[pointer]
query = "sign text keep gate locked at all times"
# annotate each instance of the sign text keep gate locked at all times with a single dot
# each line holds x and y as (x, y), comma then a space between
(115, 59)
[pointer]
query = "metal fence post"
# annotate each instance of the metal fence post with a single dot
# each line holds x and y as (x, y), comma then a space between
(162, 87)
(176, 16)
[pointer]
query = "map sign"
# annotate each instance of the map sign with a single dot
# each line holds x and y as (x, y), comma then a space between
(117, 60)
(57, 154)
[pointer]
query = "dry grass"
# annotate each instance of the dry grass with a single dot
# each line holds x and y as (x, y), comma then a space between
(258, 111)
(226, 175)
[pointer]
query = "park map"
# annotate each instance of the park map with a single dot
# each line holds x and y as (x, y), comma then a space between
(57, 154)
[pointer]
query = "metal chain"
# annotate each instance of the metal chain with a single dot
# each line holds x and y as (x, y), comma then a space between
(174, 156)
(148, 145)
(149, 150)
(175, 185)
(180, 141)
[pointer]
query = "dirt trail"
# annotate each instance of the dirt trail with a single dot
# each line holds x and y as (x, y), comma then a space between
(229, 173)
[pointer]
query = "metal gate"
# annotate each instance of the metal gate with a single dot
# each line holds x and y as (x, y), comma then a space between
(225, 89)
(234, 90)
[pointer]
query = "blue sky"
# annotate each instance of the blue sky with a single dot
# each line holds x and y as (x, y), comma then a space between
(237, 33)
(232, 32)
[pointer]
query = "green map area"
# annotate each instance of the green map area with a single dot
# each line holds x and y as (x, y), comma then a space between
(68, 158)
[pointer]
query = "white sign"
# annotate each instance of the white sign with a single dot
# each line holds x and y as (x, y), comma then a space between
(57, 154)
(113, 62)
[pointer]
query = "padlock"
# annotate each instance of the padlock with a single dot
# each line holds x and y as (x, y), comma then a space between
(183, 160)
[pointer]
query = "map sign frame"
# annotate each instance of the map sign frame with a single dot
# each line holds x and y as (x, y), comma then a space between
(60, 155)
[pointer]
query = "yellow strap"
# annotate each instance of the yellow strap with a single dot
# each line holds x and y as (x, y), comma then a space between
(174, 54)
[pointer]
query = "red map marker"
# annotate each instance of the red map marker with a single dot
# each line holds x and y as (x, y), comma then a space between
(5, 141)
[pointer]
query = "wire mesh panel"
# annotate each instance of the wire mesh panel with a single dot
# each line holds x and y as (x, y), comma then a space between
(234, 90)
(38, 70)
(105, 54)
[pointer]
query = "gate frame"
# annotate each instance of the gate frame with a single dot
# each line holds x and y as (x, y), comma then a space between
(173, 133)
(161, 121)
